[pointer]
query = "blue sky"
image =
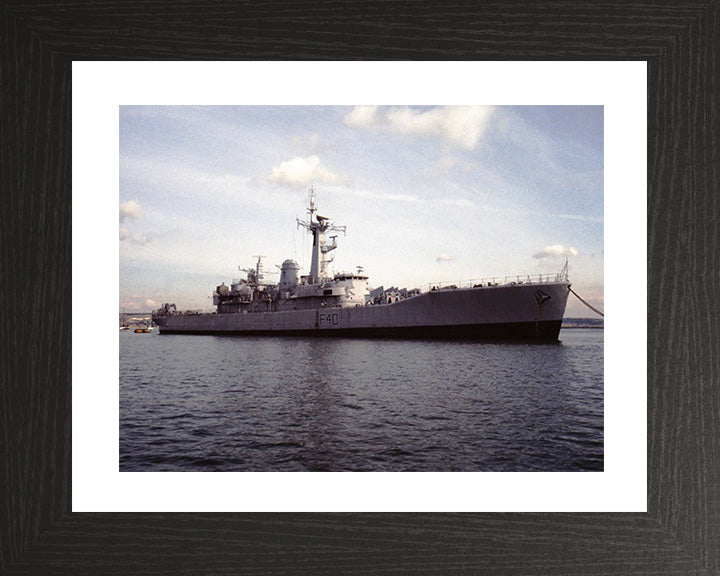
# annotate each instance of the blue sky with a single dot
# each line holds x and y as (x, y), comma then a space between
(428, 194)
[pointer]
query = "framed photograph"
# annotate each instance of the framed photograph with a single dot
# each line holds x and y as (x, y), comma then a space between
(57, 406)
(524, 177)
(423, 363)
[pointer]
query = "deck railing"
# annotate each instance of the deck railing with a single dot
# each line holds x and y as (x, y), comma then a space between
(498, 281)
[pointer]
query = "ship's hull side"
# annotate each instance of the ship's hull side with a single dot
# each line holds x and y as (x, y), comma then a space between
(545, 330)
(521, 312)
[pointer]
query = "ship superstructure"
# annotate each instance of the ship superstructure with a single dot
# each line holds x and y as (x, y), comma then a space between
(520, 307)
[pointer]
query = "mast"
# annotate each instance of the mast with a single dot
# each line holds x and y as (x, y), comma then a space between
(317, 226)
(256, 275)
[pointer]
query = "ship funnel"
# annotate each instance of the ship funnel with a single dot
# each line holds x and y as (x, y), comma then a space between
(288, 275)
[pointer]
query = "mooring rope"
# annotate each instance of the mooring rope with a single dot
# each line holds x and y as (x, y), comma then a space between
(586, 304)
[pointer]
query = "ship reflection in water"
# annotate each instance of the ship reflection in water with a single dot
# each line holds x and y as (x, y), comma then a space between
(214, 403)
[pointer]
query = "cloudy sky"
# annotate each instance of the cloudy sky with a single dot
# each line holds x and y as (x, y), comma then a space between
(428, 194)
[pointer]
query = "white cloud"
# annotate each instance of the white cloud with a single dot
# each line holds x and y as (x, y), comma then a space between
(385, 196)
(308, 143)
(304, 171)
(462, 126)
(130, 209)
(361, 116)
(554, 251)
(150, 303)
(126, 304)
(444, 165)
(581, 218)
(459, 202)
(125, 234)
(444, 258)
(178, 182)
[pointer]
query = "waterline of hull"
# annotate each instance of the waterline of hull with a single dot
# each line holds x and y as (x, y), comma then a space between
(526, 331)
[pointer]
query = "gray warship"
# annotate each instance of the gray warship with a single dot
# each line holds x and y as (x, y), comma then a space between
(527, 307)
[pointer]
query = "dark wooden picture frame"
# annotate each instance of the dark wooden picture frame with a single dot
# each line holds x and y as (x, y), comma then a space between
(680, 533)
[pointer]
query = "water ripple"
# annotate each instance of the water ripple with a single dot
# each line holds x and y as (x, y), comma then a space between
(202, 403)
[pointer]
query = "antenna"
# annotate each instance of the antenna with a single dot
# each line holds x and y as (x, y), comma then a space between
(317, 229)
(256, 275)
(312, 209)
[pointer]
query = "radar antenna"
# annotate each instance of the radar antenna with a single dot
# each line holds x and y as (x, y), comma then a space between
(317, 226)
(256, 275)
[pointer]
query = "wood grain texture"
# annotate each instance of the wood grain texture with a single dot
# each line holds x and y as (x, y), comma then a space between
(680, 534)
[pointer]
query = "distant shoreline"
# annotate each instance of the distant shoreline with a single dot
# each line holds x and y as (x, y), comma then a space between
(583, 323)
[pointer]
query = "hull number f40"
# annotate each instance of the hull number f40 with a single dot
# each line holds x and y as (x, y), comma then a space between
(329, 319)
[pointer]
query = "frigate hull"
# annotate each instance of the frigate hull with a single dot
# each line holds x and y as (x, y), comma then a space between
(530, 311)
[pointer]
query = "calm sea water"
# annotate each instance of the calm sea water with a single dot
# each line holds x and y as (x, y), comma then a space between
(209, 403)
